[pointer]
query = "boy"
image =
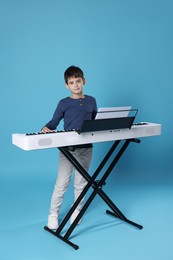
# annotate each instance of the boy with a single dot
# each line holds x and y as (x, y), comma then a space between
(73, 110)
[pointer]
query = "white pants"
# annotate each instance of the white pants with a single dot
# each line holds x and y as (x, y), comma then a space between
(65, 169)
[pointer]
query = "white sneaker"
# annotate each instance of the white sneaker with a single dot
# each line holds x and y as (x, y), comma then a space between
(53, 221)
(73, 217)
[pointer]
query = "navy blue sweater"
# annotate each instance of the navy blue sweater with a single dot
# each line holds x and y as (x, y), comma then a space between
(73, 112)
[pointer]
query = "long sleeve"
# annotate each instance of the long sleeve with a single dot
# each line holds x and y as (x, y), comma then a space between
(57, 116)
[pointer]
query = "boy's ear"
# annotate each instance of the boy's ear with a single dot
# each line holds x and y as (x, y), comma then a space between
(84, 81)
(66, 85)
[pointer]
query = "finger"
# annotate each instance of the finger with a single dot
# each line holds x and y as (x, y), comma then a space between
(45, 130)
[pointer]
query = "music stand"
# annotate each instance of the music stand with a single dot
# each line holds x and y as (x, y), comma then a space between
(109, 123)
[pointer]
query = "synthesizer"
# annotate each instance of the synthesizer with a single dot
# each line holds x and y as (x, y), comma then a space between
(36, 141)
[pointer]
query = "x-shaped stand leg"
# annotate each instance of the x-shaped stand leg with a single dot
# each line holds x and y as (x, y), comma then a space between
(97, 189)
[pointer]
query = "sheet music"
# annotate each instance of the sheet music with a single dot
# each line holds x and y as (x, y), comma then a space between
(113, 112)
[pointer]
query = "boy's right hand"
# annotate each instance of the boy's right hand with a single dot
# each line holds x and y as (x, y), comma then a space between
(46, 130)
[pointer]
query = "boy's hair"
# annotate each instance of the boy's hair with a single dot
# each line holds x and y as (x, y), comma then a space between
(73, 71)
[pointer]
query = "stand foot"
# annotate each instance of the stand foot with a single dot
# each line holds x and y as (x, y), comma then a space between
(76, 247)
(124, 219)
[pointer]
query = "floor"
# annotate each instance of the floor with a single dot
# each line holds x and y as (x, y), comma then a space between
(25, 198)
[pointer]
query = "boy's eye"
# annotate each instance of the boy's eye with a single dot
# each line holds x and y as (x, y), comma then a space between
(79, 80)
(70, 83)
(73, 82)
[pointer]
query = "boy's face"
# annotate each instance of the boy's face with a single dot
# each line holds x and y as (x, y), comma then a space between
(75, 85)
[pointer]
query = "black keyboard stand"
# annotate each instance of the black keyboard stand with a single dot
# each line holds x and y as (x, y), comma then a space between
(96, 185)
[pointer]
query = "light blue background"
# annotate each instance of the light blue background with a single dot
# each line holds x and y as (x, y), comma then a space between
(125, 49)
